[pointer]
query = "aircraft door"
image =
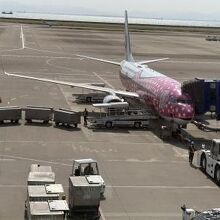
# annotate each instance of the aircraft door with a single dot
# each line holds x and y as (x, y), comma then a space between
(163, 100)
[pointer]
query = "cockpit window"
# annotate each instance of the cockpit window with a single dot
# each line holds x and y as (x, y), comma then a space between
(180, 101)
(184, 101)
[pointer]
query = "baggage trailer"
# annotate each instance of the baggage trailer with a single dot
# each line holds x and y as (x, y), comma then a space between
(47, 210)
(67, 117)
(39, 168)
(44, 192)
(84, 196)
(38, 113)
(41, 178)
(10, 113)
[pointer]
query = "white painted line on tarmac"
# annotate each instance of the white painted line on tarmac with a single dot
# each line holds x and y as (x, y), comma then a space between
(58, 66)
(143, 214)
(37, 56)
(35, 160)
(148, 161)
(12, 186)
(102, 214)
(164, 187)
(10, 50)
(7, 159)
(22, 37)
(103, 80)
(192, 62)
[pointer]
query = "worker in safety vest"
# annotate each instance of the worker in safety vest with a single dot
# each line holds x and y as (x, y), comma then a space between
(191, 152)
(85, 115)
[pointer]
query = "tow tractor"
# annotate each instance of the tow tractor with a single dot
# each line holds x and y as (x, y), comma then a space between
(209, 160)
(89, 169)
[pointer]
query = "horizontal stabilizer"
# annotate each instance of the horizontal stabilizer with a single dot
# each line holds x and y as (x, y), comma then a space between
(112, 105)
(101, 60)
(152, 61)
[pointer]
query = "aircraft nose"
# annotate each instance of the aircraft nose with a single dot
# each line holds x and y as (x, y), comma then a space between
(185, 112)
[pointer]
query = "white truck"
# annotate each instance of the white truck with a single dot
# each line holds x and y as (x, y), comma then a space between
(209, 160)
(191, 214)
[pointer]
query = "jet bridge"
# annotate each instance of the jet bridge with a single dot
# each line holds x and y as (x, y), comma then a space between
(205, 95)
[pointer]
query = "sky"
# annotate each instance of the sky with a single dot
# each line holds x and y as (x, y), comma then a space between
(166, 9)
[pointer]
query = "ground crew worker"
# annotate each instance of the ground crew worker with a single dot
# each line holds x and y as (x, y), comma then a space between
(88, 170)
(85, 115)
(191, 152)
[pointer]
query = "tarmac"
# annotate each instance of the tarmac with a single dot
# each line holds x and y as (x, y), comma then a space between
(146, 178)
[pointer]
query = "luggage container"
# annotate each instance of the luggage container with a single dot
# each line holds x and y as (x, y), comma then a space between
(41, 178)
(39, 168)
(11, 113)
(45, 192)
(66, 117)
(83, 195)
(51, 210)
(38, 113)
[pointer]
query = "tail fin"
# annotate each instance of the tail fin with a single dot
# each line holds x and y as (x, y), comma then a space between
(128, 53)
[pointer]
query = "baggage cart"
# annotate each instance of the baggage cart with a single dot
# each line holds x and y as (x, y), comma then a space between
(38, 113)
(84, 196)
(41, 178)
(10, 113)
(51, 210)
(66, 117)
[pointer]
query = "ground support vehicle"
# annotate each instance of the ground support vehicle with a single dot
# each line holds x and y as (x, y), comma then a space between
(89, 168)
(84, 196)
(67, 117)
(123, 118)
(44, 192)
(89, 97)
(10, 113)
(191, 214)
(45, 199)
(40, 175)
(38, 113)
(209, 160)
(50, 210)
(213, 38)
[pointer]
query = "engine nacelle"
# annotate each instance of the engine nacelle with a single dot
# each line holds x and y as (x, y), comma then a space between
(112, 98)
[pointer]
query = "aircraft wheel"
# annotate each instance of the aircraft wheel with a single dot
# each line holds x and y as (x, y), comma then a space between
(203, 163)
(108, 124)
(89, 99)
(137, 124)
(217, 175)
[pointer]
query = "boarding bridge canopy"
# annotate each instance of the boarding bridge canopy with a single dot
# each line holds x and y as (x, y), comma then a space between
(205, 95)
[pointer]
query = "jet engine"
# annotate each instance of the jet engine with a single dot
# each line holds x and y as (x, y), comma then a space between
(112, 98)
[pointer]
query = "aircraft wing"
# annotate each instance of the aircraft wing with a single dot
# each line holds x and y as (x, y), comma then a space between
(152, 61)
(79, 85)
(101, 60)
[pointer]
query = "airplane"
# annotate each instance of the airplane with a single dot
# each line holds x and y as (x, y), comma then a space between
(158, 91)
